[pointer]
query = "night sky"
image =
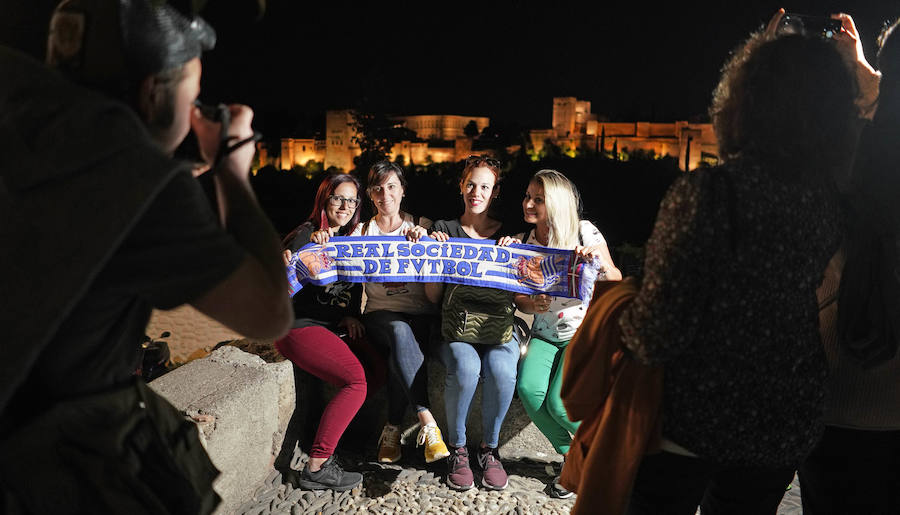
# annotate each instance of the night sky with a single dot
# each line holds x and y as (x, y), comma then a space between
(505, 59)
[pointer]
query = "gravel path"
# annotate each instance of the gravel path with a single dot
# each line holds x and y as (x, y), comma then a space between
(410, 486)
(413, 487)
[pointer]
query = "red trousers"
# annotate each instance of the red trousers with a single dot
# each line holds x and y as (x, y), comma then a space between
(323, 354)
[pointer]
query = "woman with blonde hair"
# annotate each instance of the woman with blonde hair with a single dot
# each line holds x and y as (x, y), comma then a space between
(553, 205)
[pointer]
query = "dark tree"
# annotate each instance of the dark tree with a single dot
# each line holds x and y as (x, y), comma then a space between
(471, 129)
(602, 141)
(376, 135)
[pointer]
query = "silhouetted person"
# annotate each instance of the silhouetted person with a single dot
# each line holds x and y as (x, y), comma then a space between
(100, 226)
(855, 468)
(728, 300)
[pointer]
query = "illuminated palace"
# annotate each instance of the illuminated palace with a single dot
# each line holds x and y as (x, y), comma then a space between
(442, 138)
(575, 127)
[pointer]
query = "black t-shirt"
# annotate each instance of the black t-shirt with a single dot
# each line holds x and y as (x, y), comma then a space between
(176, 252)
(322, 305)
(454, 229)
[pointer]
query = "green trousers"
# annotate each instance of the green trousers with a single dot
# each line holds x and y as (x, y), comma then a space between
(540, 379)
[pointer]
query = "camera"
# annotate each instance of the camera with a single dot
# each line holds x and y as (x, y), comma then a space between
(189, 150)
(823, 26)
(215, 113)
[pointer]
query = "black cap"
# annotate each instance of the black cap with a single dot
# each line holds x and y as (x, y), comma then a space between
(107, 43)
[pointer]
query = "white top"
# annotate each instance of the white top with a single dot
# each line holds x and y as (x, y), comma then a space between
(400, 297)
(559, 323)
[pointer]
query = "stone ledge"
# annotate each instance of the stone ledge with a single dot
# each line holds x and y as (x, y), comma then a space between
(242, 405)
(249, 412)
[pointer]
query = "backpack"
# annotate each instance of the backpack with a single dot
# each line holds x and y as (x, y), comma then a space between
(475, 314)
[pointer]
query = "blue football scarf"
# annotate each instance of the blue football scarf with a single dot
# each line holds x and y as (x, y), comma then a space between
(519, 268)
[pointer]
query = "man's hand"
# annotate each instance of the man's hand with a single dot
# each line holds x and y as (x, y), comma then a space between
(209, 133)
(254, 299)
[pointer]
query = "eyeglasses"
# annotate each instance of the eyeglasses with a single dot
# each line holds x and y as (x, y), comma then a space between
(337, 200)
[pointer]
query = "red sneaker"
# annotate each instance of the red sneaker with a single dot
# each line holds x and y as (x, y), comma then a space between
(460, 475)
(493, 476)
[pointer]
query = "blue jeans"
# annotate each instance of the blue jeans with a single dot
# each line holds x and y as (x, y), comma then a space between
(467, 363)
(406, 336)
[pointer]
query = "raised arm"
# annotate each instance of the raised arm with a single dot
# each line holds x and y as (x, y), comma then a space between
(850, 46)
(253, 300)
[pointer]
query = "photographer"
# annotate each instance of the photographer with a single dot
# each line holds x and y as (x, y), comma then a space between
(853, 468)
(101, 226)
(728, 299)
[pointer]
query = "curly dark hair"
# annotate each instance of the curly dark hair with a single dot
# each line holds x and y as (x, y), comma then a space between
(786, 103)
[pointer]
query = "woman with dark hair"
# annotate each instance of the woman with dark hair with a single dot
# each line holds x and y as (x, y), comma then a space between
(855, 467)
(468, 351)
(322, 313)
(728, 300)
(400, 318)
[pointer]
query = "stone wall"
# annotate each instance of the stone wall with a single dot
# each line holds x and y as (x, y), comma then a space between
(242, 406)
(251, 415)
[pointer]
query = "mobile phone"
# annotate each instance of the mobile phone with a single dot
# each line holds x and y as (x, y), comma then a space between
(822, 26)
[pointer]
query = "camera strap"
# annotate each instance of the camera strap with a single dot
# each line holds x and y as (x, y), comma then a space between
(224, 118)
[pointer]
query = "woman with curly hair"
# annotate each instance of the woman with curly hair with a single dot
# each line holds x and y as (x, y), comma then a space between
(728, 301)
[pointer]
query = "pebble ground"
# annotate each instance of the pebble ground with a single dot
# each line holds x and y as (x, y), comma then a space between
(410, 487)
(413, 487)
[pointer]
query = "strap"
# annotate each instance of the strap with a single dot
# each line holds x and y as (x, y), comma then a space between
(220, 113)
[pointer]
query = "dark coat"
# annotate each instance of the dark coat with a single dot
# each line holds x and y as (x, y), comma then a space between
(76, 172)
